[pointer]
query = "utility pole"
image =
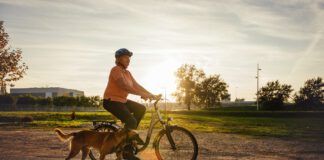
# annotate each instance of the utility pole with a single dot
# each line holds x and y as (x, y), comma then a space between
(258, 77)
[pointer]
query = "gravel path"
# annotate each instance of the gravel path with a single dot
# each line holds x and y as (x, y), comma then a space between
(37, 144)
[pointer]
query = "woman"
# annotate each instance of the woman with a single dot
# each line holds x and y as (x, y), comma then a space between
(120, 84)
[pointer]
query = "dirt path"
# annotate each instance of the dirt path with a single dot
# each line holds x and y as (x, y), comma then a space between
(37, 144)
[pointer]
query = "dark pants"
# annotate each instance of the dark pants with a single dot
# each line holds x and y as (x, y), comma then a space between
(123, 111)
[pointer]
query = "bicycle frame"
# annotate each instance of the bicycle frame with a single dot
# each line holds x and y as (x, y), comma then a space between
(156, 117)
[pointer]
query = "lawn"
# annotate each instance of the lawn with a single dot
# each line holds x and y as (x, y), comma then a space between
(306, 125)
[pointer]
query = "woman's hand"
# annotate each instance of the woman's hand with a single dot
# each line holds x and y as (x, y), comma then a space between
(145, 96)
(148, 96)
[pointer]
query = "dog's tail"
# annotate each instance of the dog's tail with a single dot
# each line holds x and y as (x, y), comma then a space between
(63, 136)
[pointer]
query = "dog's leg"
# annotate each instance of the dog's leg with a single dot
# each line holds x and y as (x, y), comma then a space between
(85, 152)
(72, 154)
(119, 155)
(75, 149)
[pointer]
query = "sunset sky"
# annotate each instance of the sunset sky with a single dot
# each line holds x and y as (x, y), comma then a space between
(71, 44)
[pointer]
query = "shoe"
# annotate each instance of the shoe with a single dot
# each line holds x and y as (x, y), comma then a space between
(139, 140)
(129, 152)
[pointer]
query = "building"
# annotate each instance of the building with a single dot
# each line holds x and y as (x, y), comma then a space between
(46, 92)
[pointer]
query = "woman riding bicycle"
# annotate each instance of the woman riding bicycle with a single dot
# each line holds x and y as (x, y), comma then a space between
(120, 84)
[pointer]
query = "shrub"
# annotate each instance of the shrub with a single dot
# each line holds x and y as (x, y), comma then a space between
(44, 101)
(92, 101)
(64, 101)
(26, 100)
(6, 99)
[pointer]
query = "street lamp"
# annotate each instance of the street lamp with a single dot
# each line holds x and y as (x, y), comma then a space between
(258, 77)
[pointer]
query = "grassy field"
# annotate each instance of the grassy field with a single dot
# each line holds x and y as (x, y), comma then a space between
(306, 125)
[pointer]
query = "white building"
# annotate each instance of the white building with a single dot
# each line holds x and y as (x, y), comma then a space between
(46, 92)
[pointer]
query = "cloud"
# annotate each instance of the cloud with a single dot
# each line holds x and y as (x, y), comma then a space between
(307, 53)
(69, 40)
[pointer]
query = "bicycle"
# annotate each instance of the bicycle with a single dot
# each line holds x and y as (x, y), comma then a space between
(171, 142)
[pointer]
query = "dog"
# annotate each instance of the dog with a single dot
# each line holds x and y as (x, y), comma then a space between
(104, 142)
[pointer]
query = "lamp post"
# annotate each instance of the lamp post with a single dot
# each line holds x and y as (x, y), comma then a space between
(258, 77)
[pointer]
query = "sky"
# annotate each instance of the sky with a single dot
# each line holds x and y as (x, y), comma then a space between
(71, 44)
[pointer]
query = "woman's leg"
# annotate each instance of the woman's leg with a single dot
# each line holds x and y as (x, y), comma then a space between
(121, 111)
(137, 109)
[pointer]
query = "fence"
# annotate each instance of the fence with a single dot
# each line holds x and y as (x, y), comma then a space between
(49, 108)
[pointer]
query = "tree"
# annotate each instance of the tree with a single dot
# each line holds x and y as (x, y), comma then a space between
(311, 94)
(211, 91)
(273, 95)
(239, 100)
(92, 101)
(187, 78)
(11, 68)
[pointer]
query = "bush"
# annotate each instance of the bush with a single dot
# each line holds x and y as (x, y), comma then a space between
(93, 101)
(26, 100)
(6, 99)
(65, 101)
(82, 101)
(44, 101)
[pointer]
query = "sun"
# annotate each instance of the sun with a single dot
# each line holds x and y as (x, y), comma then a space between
(160, 78)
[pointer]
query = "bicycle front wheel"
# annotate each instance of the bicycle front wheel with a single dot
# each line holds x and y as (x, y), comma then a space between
(185, 144)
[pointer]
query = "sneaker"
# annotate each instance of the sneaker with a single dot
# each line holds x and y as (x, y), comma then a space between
(139, 140)
(129, 152)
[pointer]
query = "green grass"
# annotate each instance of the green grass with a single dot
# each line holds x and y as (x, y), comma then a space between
(308, 125)
(286, 126)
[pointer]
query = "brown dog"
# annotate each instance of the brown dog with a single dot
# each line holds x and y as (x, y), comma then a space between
(104, 142)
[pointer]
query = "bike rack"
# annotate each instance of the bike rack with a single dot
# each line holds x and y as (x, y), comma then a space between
(95, 123)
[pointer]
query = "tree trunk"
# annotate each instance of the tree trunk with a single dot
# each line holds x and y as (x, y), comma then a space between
(2, 88)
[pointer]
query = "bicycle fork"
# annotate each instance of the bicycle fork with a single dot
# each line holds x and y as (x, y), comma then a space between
(168, 131)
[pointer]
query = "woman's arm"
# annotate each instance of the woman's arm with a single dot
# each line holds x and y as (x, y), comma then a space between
(122, 84)
(138, 87)
(117, 75)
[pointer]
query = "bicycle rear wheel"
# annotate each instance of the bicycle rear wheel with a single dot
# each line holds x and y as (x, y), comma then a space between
(186, 146)
(94, 154)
